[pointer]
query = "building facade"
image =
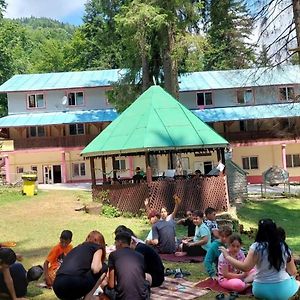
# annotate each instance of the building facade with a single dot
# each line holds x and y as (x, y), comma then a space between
(52, 117)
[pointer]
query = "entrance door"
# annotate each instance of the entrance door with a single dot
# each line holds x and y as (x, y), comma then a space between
(48, 174)
(57, 174)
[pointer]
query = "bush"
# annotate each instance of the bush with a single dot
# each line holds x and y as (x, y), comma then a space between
(102, 197)
(110, 211)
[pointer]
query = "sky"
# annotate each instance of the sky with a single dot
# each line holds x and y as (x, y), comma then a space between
(67, 11)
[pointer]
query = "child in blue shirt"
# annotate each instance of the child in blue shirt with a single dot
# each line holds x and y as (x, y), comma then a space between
(211, 257)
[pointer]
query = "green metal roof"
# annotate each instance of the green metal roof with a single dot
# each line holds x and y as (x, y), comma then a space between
(63, 80)
(55, 118)
(208, 80)
(155, 121)
(251, 112)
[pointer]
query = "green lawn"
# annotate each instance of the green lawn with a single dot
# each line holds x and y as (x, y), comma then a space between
(36, 222)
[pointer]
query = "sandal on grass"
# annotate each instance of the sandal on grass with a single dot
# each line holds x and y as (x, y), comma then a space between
(169, 272)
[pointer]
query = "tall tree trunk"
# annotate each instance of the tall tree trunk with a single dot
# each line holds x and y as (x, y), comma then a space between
(170, 63)
(145, 72)
(296, 11)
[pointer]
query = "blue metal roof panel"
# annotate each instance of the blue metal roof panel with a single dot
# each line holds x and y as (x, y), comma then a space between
(251, 112)
(63, 80)
(209, 80)
(55, 118)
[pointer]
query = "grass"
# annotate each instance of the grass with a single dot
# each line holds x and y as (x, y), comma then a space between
(36, 222)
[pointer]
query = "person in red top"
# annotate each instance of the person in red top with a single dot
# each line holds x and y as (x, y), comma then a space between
(56, 256)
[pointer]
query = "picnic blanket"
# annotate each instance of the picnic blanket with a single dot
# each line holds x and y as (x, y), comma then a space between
(185, 259)
(213, 285)
(177, 288)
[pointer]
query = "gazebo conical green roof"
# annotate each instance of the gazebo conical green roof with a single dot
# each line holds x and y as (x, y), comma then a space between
(155, 123)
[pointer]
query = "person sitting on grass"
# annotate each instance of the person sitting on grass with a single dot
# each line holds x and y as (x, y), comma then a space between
(82, 268)
(163, 213)
(275, 267)
(126, 275)
(56, 256)
(200, 243)
(212, 255)
(211, 223)
(228, 276)
(163, 234)
(188, 221)
(13, 277)
(153, 262)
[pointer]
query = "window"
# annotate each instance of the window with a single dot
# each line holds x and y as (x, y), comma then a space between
(250, 163)
(35, 101)
(79, 169)
(75, 98)
(286, 93)
(248, 125)
(244, 96)
(120, 164)
(293, 160)
(35, 131)
(204, 99)
(76, 129)
(34, 169)
(20, 170)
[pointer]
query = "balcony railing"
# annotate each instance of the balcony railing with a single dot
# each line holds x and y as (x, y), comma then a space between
(46, 142)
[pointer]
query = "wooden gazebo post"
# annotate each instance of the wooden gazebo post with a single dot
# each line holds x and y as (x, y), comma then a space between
(113, 160)
(93, 175)
(103, 168)
(148, 167)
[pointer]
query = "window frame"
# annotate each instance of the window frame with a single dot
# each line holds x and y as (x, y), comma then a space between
(36, 131)
(76, 129)
(75, 98)
(292, 165)
(81, 171)
(244, 91)
(286, 99)
(119, 167)
(204, 98)
(19, 170)
(249, 162)
(35, 101)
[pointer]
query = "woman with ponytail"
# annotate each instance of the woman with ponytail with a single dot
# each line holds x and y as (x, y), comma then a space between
(275, 267)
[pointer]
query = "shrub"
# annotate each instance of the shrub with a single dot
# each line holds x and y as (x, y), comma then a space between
(110, 211)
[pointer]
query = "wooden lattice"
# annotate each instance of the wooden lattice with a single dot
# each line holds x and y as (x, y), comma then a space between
(196, 193)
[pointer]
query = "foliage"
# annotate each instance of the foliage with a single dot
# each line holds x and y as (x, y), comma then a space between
(102, 197)
(229, 28)
(110, 211)
(2, 7)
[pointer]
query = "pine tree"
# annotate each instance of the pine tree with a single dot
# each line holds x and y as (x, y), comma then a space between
(229, 28)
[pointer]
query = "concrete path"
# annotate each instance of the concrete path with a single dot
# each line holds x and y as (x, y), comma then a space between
(66, 186)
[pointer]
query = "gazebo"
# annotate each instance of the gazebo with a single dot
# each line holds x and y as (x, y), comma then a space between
(155, 124)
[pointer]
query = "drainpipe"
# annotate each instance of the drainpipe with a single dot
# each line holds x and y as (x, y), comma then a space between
(7, 175)
(283, 155)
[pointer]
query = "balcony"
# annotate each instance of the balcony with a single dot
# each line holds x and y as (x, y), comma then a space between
(49, 142)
